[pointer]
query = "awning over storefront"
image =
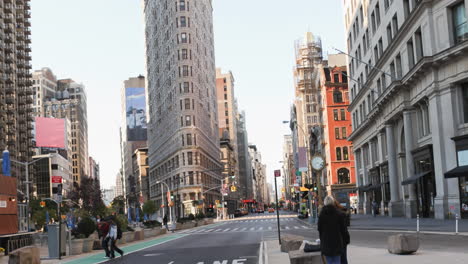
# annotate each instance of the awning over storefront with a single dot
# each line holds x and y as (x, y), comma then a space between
(416, 177)
(457, 172)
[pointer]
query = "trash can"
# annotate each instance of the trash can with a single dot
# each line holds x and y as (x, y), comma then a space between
(53, 240)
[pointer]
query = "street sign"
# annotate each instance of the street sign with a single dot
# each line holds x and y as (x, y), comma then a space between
(277, 173)
(56, 179)
(168, 197)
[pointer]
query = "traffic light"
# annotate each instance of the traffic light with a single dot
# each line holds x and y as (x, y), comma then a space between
(59, 189)
(42, 204)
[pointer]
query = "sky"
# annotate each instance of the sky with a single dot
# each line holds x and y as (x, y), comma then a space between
(100, 43)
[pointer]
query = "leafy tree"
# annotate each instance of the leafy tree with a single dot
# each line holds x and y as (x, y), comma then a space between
(90, 195)
(118, 204)
(86, 226)
(149, 207)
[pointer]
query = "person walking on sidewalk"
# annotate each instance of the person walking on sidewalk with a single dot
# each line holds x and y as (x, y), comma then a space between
(103, 230)
(375, 208)
(114, 233)
(332, 231)
(165, 222)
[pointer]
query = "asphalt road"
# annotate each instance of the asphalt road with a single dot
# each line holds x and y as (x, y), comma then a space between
(238, 241)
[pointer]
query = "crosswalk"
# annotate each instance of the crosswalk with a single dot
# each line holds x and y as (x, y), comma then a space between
(269, 220)
(243, 229)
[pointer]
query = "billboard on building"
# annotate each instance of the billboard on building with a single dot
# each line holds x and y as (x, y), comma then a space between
(135, 102)
(50, 132)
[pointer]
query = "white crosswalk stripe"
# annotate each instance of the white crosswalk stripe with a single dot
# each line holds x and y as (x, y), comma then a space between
(269, 228)
(295, 227)
(305, 227)
(227, 229)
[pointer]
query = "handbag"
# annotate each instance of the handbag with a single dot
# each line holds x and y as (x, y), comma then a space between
(311, 248)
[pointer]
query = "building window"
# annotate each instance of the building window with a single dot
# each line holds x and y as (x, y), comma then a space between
(189, 158)
(336, 78)
(460, 22)
(183, 21)
(183, 38)
(182, 5)
(338, 153)
(465, 102)
(343, 114)
(183, 142)
(343, 133)
(419, 45)
(344, 77)
(335, 115)
(410, 49)
(189, 139)
(225, 97)
(337, 96)
(345, 153)
(188, 120)
(337, 133)
(343, 176)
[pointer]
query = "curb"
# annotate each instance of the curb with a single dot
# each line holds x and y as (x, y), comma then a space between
(410, 231)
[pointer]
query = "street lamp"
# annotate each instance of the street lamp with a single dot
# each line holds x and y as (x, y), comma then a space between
(311, 209)
(162, 199)
(26, 166)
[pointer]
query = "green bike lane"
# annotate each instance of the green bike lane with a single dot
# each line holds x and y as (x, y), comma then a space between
(128, 249)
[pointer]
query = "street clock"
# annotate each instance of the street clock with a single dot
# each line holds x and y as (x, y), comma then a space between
(318, 163)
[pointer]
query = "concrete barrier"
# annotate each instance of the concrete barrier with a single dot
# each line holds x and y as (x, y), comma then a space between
(291, 242)
(301, 257)
(402, 244)
(25, 255)
(139, 235)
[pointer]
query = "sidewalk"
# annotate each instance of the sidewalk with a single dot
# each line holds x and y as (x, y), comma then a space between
(426, 225)
(363, 255)
(98, 256)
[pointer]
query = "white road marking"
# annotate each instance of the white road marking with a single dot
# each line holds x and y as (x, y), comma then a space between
(217, 230)
(295, 227)
(305, 227)
(235, 229)
(152, 255)
(287, 228)
(243, 229)
(252, 229)
(269, 228)
(260, 229)
(227, 229)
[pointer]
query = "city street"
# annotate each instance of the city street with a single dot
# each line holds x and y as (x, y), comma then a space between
(238, 241)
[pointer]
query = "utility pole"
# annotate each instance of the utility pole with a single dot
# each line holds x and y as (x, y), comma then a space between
(277, 174)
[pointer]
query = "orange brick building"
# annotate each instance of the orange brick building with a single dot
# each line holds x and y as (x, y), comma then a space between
(340, 179)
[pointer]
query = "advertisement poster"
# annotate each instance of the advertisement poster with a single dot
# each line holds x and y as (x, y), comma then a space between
(136, 114)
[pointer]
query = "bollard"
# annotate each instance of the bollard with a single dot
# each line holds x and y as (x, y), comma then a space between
(417, 223)
(456, 224)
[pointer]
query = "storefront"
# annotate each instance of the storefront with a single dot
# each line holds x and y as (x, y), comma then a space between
(385, 186)
(461, 172)
(423, 180)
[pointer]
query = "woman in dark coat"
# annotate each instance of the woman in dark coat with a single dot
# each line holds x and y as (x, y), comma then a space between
(333, 232)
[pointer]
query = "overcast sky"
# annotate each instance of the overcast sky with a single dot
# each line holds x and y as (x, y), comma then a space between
(100, 43)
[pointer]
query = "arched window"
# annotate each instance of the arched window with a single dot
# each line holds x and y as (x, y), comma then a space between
(345, 153)
(343, 176)
(337, 96)
(338, 153)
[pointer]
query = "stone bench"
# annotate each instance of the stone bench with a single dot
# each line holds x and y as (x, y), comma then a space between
(402, 244)
(291, 242)
(25, 255)
(301, 257)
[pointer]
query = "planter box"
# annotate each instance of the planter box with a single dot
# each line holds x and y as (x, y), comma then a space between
(88, 245)
(128, 236)
(150, 233)
(139, 235)
(76, 246)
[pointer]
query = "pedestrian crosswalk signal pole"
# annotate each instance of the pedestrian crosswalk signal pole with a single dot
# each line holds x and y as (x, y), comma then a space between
(277, 174)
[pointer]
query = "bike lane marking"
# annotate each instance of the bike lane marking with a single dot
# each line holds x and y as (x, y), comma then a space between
(99, 258)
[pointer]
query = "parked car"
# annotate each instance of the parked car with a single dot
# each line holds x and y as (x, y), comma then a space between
(260, 211)
(271, 210)
(244, 212)
(237, 213)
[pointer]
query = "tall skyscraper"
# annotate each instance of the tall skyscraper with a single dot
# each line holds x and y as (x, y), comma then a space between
(15, 85)
(245, 165)
(227, 120)
(70, 103)
(183, 135)
(44, 87)
(307, 76)
(133, 132)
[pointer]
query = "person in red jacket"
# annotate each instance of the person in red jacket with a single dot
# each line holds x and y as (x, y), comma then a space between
(103, 230)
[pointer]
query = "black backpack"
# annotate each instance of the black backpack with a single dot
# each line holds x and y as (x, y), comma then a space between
(119, 233)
